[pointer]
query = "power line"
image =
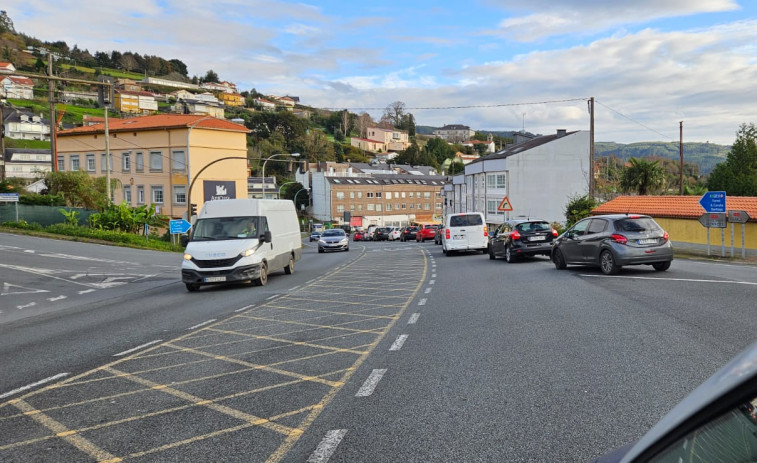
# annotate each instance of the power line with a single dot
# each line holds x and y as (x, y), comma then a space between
(633, 120)
(501, 105)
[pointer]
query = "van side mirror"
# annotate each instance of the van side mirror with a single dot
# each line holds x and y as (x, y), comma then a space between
(267, 236)
(184, 240)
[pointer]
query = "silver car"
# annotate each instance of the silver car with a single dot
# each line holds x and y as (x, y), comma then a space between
(334, 239)
(612, 241)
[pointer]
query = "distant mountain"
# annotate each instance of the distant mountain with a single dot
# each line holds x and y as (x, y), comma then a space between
(704, 155)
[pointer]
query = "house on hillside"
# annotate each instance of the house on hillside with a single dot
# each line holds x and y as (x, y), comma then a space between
(537, 177)
(25, 125)
(18, 87)
(27, 163)
(152, 158)
(454, 133)
(7, 68)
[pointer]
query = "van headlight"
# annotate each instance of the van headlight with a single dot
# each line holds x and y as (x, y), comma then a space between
(247, 252)
(187, 256)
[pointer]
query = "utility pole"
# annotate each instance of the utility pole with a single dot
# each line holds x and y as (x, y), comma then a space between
(591, 147)
(680, 149)
(107, 157)
(53, 128)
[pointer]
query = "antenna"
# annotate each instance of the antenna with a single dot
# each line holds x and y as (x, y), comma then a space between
(524, 123)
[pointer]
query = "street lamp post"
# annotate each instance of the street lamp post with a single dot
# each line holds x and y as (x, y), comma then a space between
(282, 186)
(294, 155)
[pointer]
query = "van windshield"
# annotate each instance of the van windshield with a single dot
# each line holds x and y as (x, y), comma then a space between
(226, 228)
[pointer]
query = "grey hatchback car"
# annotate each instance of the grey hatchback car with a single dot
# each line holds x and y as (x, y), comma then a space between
(612, 241)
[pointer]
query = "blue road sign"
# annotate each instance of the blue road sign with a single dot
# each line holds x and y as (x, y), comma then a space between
(179, 226)
(713, 201)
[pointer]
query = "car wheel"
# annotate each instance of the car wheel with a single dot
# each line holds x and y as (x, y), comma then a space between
(289, 269)
(509, 256)
(558, 260)
(661, 266)
(347, 249)
(192, 287)
(320, 250)
(491, 254)
(263, 278)
(607, 263)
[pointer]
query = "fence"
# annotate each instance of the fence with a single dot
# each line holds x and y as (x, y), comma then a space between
(43, 215)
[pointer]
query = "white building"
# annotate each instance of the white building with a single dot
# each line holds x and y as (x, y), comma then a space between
(455, 133)
(24, 125)
(537, 177)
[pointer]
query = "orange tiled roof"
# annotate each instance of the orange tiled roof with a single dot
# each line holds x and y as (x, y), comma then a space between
(683, 207)
(158, 121)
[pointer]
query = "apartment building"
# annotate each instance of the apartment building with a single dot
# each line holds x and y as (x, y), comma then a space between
(454, 133)
(157, 159)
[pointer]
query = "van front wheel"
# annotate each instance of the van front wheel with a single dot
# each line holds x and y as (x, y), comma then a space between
(192, 287)
(263, 278)
(289, 269)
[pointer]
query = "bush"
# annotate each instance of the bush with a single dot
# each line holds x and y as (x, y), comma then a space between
(577, 208)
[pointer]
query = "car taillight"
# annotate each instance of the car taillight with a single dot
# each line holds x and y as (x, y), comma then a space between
(665, 237)
(554, 233)
(446, 233)
(515, 235)
(620, 239)
(486, 231)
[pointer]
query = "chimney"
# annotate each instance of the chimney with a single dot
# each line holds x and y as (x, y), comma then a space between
(561, 133)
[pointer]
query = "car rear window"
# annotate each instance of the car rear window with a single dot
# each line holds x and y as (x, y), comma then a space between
(533, 227)
(466, 220)
(638, 225)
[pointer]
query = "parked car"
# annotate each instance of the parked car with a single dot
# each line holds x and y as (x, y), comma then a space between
(408, 233)
(714, 423)
(465, 231)
(368, 235)
(394, 233)
(315, 235)
(426, 232)
(358, 236)
(515, 239)
(612, 241)
(334, 239)
(381, 234)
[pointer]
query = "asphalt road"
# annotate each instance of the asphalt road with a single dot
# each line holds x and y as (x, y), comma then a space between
(390, 352)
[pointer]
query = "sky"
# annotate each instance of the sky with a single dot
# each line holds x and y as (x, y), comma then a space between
(488, 64)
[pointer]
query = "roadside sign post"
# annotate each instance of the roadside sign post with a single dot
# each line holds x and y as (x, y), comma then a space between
(10, 198)
(739, 217)
(714, 203)
(178, 227)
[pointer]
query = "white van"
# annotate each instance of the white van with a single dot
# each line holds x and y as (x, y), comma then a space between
(465, 231)
(241, 240)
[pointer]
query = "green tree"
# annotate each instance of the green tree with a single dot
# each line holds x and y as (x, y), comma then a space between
(210, 76)
(738, 174)
(439, 149)
(642, 177)
(578, 207)
(78, 189)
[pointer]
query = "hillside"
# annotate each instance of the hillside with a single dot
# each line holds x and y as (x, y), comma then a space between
(704, 155)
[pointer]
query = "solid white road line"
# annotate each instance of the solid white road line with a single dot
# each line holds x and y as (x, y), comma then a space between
(53, 299)
(422, 301)
(328, 445)
(87, 291)
(244, 308)
(370, 384)
(399, 342)
(207, 322)
(272, 297)
(31, 304)
(29, 386)
(413, 318)
(693, 280)
(137, 348)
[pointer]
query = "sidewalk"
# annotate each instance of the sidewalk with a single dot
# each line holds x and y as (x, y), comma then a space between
(717, 253)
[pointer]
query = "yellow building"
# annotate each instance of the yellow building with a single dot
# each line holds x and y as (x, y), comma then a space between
(231, 99)
(156, 158)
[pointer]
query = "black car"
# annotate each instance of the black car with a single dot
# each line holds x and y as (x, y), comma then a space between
(517, 238)
(381, 233)
(408, 233)
(612, 241)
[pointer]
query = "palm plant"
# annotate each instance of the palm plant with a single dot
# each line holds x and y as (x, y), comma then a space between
(642, 177)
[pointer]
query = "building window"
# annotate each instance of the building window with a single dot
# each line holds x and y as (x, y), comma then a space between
(418, 206)
(491, 207)
(340, 208)
(426, 206)
(178, 161)
(157, 194)
(139, 159)
(156, 161)
(438, 205)
(140, 194)
(352, 194)
(352, 207)
(103, 161)
(426, 194)
(126, 161)
(403, 195)
(369, 194)
(412, 206)
(388, 207)
(180, 194)
(369, 207)
(127, 194)
(91, 163)
(404, 206)
(378, 207)
(496, 181)
(61, 163)
(359, 207)
(388, 195)
(359, 194)
(340, 195)
(74, 162)
(378, 194)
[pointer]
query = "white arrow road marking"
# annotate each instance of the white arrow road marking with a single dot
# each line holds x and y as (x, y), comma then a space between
(23, 290)
(327, 446)
(29, 386)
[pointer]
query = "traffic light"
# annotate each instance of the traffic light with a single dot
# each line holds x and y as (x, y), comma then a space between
(193, 209)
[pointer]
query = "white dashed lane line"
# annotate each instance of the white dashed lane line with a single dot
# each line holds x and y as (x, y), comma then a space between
(413, 318)
(33, 385)
(428, 290)
(206, 322)
(399, 342)
(327, 446)
(370, 384)
(422, 301)
(134, 349)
